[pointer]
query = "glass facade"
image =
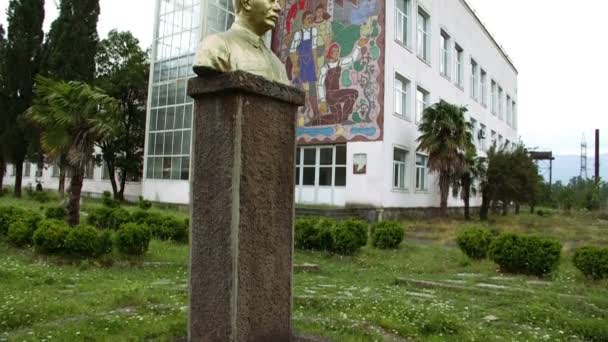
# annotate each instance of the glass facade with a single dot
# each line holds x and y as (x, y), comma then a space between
(178, 31)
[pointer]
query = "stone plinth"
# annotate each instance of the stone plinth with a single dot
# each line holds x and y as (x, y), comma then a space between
(242, 188)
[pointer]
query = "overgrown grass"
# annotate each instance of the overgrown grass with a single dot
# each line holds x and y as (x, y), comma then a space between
(356, 298)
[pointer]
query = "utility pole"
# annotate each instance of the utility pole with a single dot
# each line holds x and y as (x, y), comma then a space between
(583, 173)
(597, 157)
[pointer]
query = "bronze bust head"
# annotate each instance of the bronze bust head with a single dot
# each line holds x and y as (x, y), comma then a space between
(242, 46)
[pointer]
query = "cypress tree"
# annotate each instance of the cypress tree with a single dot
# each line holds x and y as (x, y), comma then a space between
(20, 65)
(3, 105)
(72, 41)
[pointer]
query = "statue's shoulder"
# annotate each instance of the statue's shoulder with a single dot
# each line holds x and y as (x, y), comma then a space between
(213, 53)
(216, 41)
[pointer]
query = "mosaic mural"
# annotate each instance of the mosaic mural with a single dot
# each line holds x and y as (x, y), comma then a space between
(334, 51)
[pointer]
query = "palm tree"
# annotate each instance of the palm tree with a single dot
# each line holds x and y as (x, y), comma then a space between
(73, 118)
(464, 184)
(445, 136)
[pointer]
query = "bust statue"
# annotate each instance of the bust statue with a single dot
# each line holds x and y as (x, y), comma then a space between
(242, 46)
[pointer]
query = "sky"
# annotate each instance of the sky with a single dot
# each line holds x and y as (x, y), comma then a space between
(558, 52)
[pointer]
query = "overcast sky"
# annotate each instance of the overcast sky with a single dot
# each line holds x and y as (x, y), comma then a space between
(561, 56)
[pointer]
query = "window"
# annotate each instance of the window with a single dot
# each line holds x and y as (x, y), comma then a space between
(494, 95)
(458, 67)
(399, 159)
(500, 103)
(38, 170)
(27, 169)
(424, 35)
(500, 140)
(444, 65)
(508, 118)
(482, 136)
(507, 144)
(105, 173)
(493, 141)
(13, 170)
(484, 88)
(402, 15)
(401, 96)
(421, 172)
(514, 118)
(55, 171)
(89, 170)
(330, 169)
(474, 80)
(422, 102)
(474, 132)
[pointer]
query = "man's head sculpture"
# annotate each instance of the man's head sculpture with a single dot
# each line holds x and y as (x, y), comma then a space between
(242, 47)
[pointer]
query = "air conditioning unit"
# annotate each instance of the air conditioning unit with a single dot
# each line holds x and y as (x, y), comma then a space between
(481, 135)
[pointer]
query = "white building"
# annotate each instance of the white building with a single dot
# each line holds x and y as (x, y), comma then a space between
(357, 133)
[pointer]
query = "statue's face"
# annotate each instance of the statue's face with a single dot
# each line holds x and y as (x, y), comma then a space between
(264, 14)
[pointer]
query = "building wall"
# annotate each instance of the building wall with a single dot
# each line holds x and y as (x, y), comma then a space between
(94, 186)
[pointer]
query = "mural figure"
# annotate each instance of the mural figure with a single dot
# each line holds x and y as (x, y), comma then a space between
(340, 102)
(324, 32)
(333, 50)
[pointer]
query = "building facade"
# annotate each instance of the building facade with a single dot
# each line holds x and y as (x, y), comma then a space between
(369, 69)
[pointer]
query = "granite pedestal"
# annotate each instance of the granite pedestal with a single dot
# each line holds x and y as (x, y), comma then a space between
(242, 188)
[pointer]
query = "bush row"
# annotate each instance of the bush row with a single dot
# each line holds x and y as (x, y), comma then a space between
(54, 236)
(344, 237)
(512, 252)
(592, 261)
(163, 227)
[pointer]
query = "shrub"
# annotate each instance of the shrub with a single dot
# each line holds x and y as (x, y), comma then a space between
(143, 203)
(108, 201)
(40, 196)
(168, 228)
(525, 254)
(108, 218)
(19, 233)
(50, 236)
(314, 234)
(133, 239)
(57, 213)
(387, 234)
(592, 261)
(9, 215)
(86, 241)
(349, 236)
(475, 242)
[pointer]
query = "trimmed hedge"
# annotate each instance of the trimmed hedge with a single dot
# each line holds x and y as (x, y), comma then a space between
(57, 213)
(133, 239)
(349, 236)
(475, 242)
(525, 254)
(108, 218)
(8, 215)
(50, 236)
(387, 235)
(86, 241)
(20, 234)
(592, 261)
(314, 234)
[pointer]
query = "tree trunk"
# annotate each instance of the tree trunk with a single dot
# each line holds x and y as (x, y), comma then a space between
(18, 177)
(485, 207)
(505, 207)
(61, 179)
(444, 189)
(75, 191)
(466, 197)
(123, 181)
(112, 176)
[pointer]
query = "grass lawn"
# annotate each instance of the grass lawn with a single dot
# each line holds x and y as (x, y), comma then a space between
(425, 291)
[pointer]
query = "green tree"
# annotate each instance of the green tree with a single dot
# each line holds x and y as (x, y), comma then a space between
(122, 72)
(445, 136)
(20, 64)
(73, 117)
(3, 105)
(69, 50)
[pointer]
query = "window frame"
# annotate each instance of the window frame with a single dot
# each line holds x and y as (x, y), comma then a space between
(458, 66)
(403, 18)
(426, 102)
(424, 173)
(423, 31)
(404, 93)
(399, 166)
(301, 165)
(444, 54)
